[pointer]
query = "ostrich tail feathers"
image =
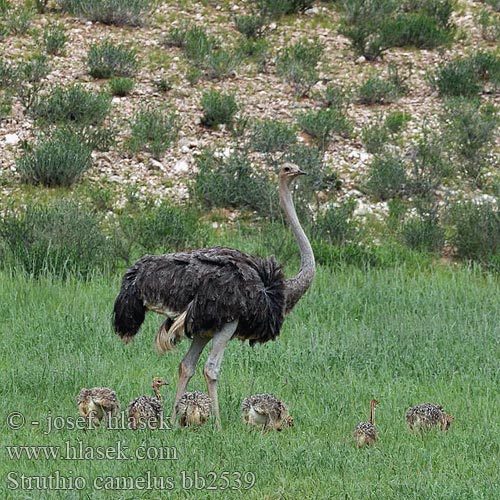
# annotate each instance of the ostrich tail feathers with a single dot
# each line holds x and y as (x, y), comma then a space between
(129, 311)
(167, 338)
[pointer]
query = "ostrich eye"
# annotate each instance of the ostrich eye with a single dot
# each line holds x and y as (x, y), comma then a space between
(286, 169)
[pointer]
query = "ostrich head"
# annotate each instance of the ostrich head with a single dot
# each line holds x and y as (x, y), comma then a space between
(446, 421)
(158, 382)
(288, 172)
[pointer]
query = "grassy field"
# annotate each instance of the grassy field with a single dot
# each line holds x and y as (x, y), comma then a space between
(401, 336)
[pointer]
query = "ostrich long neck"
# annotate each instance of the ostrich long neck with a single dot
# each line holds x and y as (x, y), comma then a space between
(296, 287)
(372, 414)
(156, 390)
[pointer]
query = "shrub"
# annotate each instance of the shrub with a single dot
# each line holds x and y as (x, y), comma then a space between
(198, 45)
(278, 8)
(297, 65)
(379, 90)
(336, 96)
(427, 168)
(470, 129)
(54, 38)
(5, 5)
(121, 86)
(421, 28)
(218, 108)
(456, 78)
(386, 177)
(364, 23)
(107, 59)
(154, 130)
(375, 136)
(57, 160)
(322, 124)
(18, 21)
(34, 69)
(270, 136)
(476, 230)
(60, 239)
(489, 24)
(335, 224)
(72, 105)
(221, 63)
(395, 121)
(232, 183)
(250, 26)
(423, 233)
(8, 74)
(117, 12)
(378, 134)
(168, 228)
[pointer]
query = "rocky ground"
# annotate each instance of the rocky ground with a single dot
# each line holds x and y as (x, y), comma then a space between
(260, 95)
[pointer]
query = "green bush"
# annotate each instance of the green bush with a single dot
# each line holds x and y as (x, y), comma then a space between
(59, 239)
(278, 8)
(54, 39)
(423, 233)
(375, 136)
(153, 130)
(395, 121)
(470, 128)
(17, 21)
(233, 183)
(380, 90)
(489, 24)
(168, 228)
(221, 63)
(198, 45)
(335, 224)
(271, 136)
(107, 59)
(336, 96)
(34, 69)
(476, 230)
(365, 23)
(297, 64)
(121, 86)
(218, 108)
(117, 12)
(251, 26)
(374, 26)
(57, 160)
(72, 105)
(5, 5)
(480, 67)
(493, 3)
(323, 124)
(387, 177)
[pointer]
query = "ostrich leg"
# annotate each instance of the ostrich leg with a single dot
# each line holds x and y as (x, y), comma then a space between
(187, 366)
(212, 366)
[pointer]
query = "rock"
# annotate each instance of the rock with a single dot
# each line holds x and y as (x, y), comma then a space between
(362, 209)
(181, 167)
(12, 139)
(157, 164)
(360, 60)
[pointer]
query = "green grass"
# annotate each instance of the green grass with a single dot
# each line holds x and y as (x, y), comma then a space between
(402, 336)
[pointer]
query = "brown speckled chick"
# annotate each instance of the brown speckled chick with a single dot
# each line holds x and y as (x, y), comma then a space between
(266, 411)
(428, 415)
(97, 403)
(193, 408)
(147, 410)
(365, 433)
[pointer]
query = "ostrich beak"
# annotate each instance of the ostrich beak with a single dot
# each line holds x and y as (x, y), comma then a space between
(301, 172)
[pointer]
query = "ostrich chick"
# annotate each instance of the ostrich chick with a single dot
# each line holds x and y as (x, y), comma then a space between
(147, 410)
(428, 415)
(266, 411)
(193, 408)
(366, 432)
(96, 403)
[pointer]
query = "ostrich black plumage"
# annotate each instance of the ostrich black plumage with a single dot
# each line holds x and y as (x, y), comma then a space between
(214, 293)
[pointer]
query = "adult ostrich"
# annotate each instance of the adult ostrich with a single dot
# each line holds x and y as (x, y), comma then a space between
(214, 293)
